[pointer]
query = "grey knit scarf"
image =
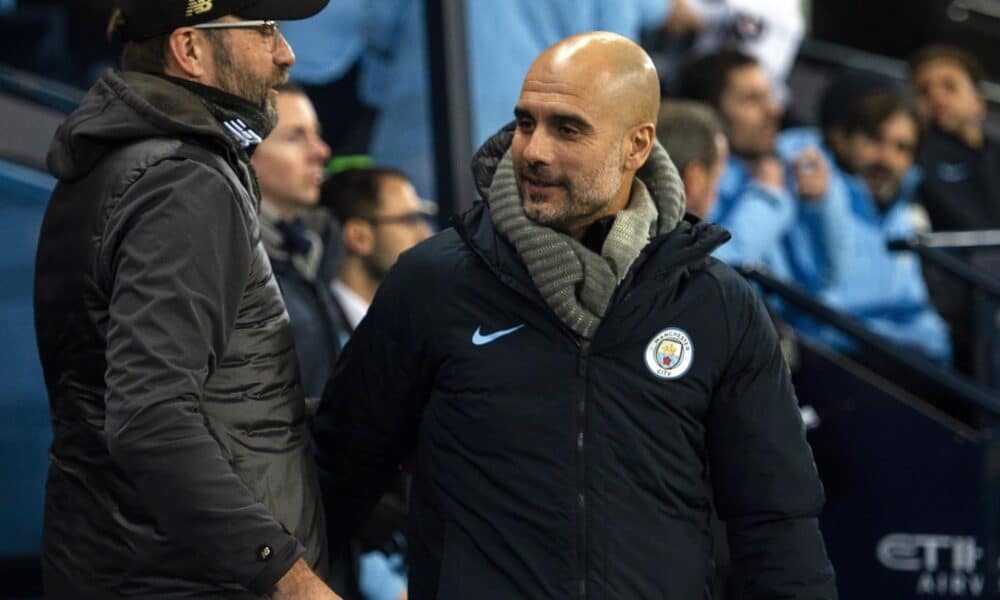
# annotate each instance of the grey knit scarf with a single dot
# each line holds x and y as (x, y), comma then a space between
(576, 282)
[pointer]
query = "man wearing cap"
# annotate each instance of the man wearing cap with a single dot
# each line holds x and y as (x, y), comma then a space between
(181, 455)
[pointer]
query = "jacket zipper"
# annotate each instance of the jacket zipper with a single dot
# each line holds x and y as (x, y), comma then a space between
(581, 498)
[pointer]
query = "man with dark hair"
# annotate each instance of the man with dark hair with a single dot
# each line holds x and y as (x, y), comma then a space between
(692, 135)
(872, 134)
(181, 458)
(961, 187)
(562, 366)
(380, 217)
(781, 210)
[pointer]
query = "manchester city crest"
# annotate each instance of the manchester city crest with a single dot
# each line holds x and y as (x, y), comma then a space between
(669, 354)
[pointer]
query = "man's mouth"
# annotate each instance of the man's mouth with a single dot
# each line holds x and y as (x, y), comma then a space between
(537, 184)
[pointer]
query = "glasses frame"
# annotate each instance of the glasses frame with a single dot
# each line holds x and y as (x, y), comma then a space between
(407, 219)
(258, 24)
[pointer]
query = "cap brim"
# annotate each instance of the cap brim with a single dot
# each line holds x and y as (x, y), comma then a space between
(283, 10)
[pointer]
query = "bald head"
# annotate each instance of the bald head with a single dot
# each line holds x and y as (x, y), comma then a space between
(586, 123)
(608, 68)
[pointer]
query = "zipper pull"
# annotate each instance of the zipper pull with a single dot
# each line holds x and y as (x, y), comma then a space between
(581, 364)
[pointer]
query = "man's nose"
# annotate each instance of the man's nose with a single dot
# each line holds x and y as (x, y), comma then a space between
(320, 150)
(283, 55)
(538, 148)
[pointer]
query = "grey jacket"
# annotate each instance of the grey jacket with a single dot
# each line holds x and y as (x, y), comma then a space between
(181, 455)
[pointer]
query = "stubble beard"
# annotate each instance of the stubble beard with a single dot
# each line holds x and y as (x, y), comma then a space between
(242, 83)
(585, 201)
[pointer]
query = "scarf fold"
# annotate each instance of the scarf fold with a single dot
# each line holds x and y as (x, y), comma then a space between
(576, 282)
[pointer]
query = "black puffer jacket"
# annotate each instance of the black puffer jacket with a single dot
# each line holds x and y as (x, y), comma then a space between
(181, 460)
(547, 467)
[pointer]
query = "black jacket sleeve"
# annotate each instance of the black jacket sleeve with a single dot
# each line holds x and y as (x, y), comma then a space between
(177, 257)
(765, 482)
(368, 418)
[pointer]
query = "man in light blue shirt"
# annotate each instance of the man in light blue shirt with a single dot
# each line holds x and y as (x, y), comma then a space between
(778, 201)
(874, 145)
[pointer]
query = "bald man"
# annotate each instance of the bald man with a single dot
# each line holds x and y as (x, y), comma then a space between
(561, 368)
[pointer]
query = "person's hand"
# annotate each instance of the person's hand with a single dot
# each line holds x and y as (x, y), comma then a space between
(811, 174)
(300, 583)
(683, 20)
(768, 170)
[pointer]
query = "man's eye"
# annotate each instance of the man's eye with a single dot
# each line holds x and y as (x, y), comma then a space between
(568, 131)
(524, 124)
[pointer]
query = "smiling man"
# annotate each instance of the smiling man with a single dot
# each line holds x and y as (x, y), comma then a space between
(562, 367)
(181, 459)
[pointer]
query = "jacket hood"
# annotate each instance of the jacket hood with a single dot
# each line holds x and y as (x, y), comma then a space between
(125, 107)
(658, 174)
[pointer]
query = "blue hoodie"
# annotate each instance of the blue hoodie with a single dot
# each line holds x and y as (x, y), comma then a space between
(798, 240)
(884, 290)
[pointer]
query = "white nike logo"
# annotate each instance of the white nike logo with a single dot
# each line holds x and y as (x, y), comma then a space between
(481, 340)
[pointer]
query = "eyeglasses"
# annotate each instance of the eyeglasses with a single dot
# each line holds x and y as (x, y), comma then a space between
(268, 29)
(408, 219)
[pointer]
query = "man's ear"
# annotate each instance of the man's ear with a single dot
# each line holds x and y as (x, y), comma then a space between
(359, 237)
(695, 178)
(639, 144)
(188, 55)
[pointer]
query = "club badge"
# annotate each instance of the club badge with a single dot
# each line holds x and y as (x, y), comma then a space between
(669, 354)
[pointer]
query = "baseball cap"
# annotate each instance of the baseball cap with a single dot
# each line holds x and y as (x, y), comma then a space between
(149, 18)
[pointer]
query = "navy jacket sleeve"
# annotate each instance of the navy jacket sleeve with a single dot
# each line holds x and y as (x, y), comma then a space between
(369, 416)
(765, 482)
(178, 263)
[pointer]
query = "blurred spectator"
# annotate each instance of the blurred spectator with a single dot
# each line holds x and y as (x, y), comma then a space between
(503, 38)
(768, 30)
(692, 135)
(328, 53)
(961, 189)
(783, 213)
(874, 139)
(380, 216)
(300, 242)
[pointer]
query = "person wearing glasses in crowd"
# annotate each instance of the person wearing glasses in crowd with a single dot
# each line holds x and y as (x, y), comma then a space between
(181, 462)
(380, 217)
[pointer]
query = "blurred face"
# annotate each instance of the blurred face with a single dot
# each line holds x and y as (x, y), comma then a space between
(290, 162)
(567, 152)
(883, 162)
(701, 182)
(715, 172)
(250, 63)
(398, 225)
(947, 97)
(751, 114)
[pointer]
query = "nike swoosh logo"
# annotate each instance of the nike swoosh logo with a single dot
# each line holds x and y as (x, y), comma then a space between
(479, 339)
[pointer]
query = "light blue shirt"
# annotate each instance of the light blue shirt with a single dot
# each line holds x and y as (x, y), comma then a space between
(798, 240)
(835, 249)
